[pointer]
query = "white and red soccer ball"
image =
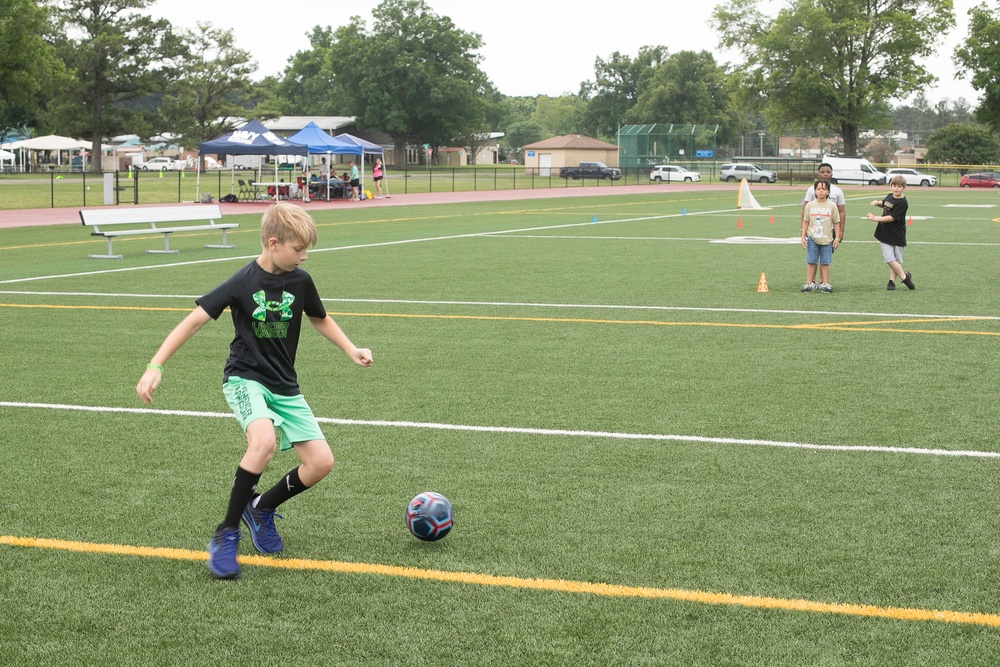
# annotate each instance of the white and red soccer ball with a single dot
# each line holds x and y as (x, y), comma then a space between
(429, 516)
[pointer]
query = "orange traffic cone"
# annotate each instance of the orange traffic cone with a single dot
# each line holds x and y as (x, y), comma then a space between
(739, 223)
(762, 284)
(909, 220)
(772, 218)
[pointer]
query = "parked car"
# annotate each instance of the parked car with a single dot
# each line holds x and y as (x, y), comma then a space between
(988, 179)
(597, 170)
(853, 169)
(162, 164)
(912, 176)
(673, 174)
(740, 170)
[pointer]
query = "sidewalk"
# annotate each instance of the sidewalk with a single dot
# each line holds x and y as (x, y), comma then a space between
(71, 216)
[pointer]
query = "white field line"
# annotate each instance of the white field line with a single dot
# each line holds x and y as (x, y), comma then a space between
(386, 243)
(529, 304)
(246, 258)
(529, 431)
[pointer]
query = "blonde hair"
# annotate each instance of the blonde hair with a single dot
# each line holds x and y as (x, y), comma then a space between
(897, 180)
(287, 222)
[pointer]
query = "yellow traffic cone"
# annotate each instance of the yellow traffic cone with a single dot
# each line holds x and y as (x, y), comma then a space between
(762, 284)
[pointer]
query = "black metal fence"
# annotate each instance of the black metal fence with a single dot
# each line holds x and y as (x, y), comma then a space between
(76, 189)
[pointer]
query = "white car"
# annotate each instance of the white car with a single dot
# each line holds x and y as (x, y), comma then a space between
(673, 174)
(912, 176)
(162, 164)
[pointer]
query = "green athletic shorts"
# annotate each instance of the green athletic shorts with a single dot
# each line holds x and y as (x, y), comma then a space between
(292, 416)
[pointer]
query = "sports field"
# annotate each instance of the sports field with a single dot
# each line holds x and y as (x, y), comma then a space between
(651, 462)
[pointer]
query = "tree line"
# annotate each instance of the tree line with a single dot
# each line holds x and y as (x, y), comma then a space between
(99, 68)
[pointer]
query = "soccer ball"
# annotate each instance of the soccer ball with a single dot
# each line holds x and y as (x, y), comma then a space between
(429, 516)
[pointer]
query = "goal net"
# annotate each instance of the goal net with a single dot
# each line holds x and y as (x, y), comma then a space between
(745, 198)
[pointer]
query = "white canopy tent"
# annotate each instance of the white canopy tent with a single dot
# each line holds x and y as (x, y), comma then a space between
(50, 142)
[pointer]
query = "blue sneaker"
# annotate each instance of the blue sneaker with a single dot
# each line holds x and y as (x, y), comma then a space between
(222, 554)
(262, 531)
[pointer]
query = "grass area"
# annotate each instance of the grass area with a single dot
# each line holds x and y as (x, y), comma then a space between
(608, 403)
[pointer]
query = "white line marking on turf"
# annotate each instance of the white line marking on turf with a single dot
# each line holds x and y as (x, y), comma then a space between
(529, 304)
(387, 243)
(529, 431)
(334, 249)
(355, 247)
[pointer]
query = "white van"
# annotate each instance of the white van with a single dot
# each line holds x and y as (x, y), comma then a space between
(856, 170)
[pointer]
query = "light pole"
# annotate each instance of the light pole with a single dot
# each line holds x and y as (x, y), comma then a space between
(761, 133)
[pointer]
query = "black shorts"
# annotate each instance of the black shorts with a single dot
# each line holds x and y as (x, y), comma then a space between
(355, 183)
(377, 178)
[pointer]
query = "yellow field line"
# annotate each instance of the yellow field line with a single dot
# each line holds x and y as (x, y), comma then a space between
(830, 326)
(555, 585)
(85, 307)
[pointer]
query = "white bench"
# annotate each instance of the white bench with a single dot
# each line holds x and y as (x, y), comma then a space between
(112, 223)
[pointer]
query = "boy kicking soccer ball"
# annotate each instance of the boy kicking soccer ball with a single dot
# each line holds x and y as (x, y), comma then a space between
(267, 298)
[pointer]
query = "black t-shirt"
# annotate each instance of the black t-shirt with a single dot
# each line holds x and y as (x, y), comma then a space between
(267, 315)
(893, 233)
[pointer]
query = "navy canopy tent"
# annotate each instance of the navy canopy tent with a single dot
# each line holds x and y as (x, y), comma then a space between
(251, 139)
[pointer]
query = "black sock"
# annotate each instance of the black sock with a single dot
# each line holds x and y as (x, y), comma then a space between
(288, 486)
(244, 485)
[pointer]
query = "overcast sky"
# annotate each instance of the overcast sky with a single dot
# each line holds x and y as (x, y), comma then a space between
(532, 47)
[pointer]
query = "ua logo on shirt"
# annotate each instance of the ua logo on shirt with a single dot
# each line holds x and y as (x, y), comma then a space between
(263, 306)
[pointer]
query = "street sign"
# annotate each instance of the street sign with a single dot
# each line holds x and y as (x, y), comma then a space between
(704, 153)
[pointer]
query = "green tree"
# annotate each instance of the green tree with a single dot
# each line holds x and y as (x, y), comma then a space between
(28, 65)
(477, 140)
(688, 87)
(116, 53)
(834, 65)
(212, 89)
(308, 86)
(980, 56)
(520, 134)
(415, 76)
(558, 115)
(618, 83)
(962, 143)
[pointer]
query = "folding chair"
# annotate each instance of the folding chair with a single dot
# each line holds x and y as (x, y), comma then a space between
(243, 194)
(253, 192)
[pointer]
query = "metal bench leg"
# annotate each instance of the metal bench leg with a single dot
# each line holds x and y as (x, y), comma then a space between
(110, 254)
(225, 244)
(166, 247)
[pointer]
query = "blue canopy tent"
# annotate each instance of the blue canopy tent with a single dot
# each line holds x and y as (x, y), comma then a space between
(251, 139)
(367, 148)
(320, 142)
